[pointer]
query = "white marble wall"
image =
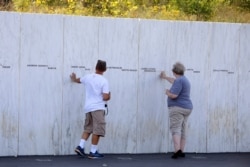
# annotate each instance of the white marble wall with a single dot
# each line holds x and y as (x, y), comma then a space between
(222, 93)
(243, 109)
(41, 110)
(80, 55)
(9, 84)
(118, 44)
(189, 42)
(41, 88)
(152, 122)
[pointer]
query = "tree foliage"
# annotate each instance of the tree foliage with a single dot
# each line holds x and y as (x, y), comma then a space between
(203, 10)
(241, 3)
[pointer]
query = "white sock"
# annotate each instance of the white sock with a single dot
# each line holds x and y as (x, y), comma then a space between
(82, 142)
(93, 148)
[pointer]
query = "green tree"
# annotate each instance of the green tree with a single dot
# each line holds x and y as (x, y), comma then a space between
(241, 3)
(203, 9)
(151, 2)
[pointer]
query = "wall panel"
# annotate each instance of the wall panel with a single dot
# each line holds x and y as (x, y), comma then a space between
(190, 45)
(118, 45)
(243, 134)
(222, 97)
(40, 84)
(80, 56)
(152, 122)
(9, 85)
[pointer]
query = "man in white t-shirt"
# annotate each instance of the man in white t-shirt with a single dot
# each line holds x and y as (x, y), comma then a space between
(97, 93)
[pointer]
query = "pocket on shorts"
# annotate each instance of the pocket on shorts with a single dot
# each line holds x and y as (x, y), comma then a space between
(87, 119)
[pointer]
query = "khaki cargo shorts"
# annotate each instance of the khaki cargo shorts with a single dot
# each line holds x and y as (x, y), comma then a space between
(95, 123)
(178, 120)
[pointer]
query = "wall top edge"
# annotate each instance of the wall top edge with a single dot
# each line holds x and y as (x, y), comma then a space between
(120, 18)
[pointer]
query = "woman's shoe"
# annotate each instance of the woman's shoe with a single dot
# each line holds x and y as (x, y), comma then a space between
(175, 155)
(181, 154)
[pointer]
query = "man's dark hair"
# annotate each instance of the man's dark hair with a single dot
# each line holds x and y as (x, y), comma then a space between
(101, 66)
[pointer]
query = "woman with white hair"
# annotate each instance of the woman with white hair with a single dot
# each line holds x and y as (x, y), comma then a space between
(180, 107)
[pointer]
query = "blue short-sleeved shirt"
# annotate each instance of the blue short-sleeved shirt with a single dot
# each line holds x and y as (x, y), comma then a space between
(181, 87)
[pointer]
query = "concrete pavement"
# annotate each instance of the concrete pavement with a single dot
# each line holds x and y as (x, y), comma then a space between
(131, 160)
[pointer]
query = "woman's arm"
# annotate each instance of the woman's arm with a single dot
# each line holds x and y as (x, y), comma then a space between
(171, 95)
(164, 76)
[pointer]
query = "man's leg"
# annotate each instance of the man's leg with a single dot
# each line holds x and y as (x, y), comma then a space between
(85, 135)
(98, 131)
(84, 138)
(94, 143)
(95, 139)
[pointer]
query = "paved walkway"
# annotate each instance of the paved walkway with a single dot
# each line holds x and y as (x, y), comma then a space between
(131, 160)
